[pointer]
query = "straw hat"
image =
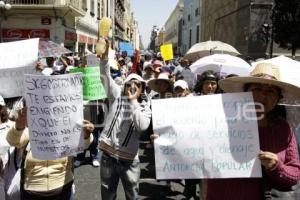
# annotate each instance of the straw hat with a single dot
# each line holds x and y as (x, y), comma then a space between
(162, 77)
(264, 73)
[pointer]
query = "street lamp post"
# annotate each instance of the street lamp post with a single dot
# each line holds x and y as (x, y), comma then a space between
(3, 7)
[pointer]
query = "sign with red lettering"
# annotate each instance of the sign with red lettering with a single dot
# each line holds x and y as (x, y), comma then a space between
(90, 40)
(72, 36)
(26, 33)
(83, 39)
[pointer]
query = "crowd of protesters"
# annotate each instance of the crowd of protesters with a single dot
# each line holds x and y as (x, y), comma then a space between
(131, 85)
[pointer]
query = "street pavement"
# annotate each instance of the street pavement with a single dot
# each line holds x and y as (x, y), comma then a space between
(87, 181)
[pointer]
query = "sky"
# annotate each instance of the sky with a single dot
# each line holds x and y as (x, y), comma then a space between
(149, 13)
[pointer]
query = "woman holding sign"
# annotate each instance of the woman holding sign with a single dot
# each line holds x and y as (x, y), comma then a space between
(279, 156)
(44, 179)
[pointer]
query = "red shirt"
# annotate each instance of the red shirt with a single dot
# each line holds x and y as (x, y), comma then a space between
(280, 140)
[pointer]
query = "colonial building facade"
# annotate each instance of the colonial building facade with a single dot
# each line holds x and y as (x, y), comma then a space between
(71, 23)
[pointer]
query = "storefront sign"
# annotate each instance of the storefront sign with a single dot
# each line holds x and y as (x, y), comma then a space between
(82, 39)
(71, 36)
(26, 33)
(91, 40)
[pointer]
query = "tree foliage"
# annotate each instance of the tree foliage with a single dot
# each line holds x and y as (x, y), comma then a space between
(286, 24)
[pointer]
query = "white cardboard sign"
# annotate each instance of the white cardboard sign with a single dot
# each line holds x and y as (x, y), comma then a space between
(17, 58)
(54, 115)
(211, 136)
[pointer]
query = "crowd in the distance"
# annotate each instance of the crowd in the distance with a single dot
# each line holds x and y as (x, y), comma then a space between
(131, 85)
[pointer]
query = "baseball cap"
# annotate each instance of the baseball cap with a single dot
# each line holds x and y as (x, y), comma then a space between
(181, 83)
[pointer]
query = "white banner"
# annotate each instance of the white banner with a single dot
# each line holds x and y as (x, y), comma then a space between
(211, 136)
(16, 59)
(55, 115)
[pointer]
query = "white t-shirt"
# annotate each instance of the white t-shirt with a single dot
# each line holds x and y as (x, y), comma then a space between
(4, 146)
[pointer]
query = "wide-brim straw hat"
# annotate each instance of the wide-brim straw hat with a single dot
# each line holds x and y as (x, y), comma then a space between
(264, 73)
(162, 77)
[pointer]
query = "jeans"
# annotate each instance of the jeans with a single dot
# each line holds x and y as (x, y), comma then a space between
(112, 170)
(190, 188)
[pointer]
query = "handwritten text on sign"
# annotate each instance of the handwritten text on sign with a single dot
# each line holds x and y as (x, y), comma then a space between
(92, 86)
(213, 136)
(55, 114)
(17, 58)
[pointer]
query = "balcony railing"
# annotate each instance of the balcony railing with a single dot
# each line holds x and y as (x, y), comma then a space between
(76, 4)
(120, 23)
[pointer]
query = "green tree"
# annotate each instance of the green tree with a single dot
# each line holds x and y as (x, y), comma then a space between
(286, 24)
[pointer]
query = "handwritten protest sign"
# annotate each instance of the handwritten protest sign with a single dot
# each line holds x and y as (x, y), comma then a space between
(212, 136)
(55, 114)
(92, 85)
(17, 58)
(166, 51)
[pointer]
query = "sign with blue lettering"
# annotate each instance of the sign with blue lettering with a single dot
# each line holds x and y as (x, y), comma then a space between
(126, 46)
(212, 136)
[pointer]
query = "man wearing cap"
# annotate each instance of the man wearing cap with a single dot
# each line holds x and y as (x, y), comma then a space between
(129, 115)
(148, 72)
(181, 89)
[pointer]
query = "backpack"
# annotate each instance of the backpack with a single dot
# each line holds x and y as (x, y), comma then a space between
(13, 173)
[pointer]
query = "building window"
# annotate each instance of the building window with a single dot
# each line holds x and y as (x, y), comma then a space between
(98, 10)
(83, 5)
(189, 17)
(92, 8)
(102, 9)
(190, 39)
(180, 32)
(197, 12)
(198, 34)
